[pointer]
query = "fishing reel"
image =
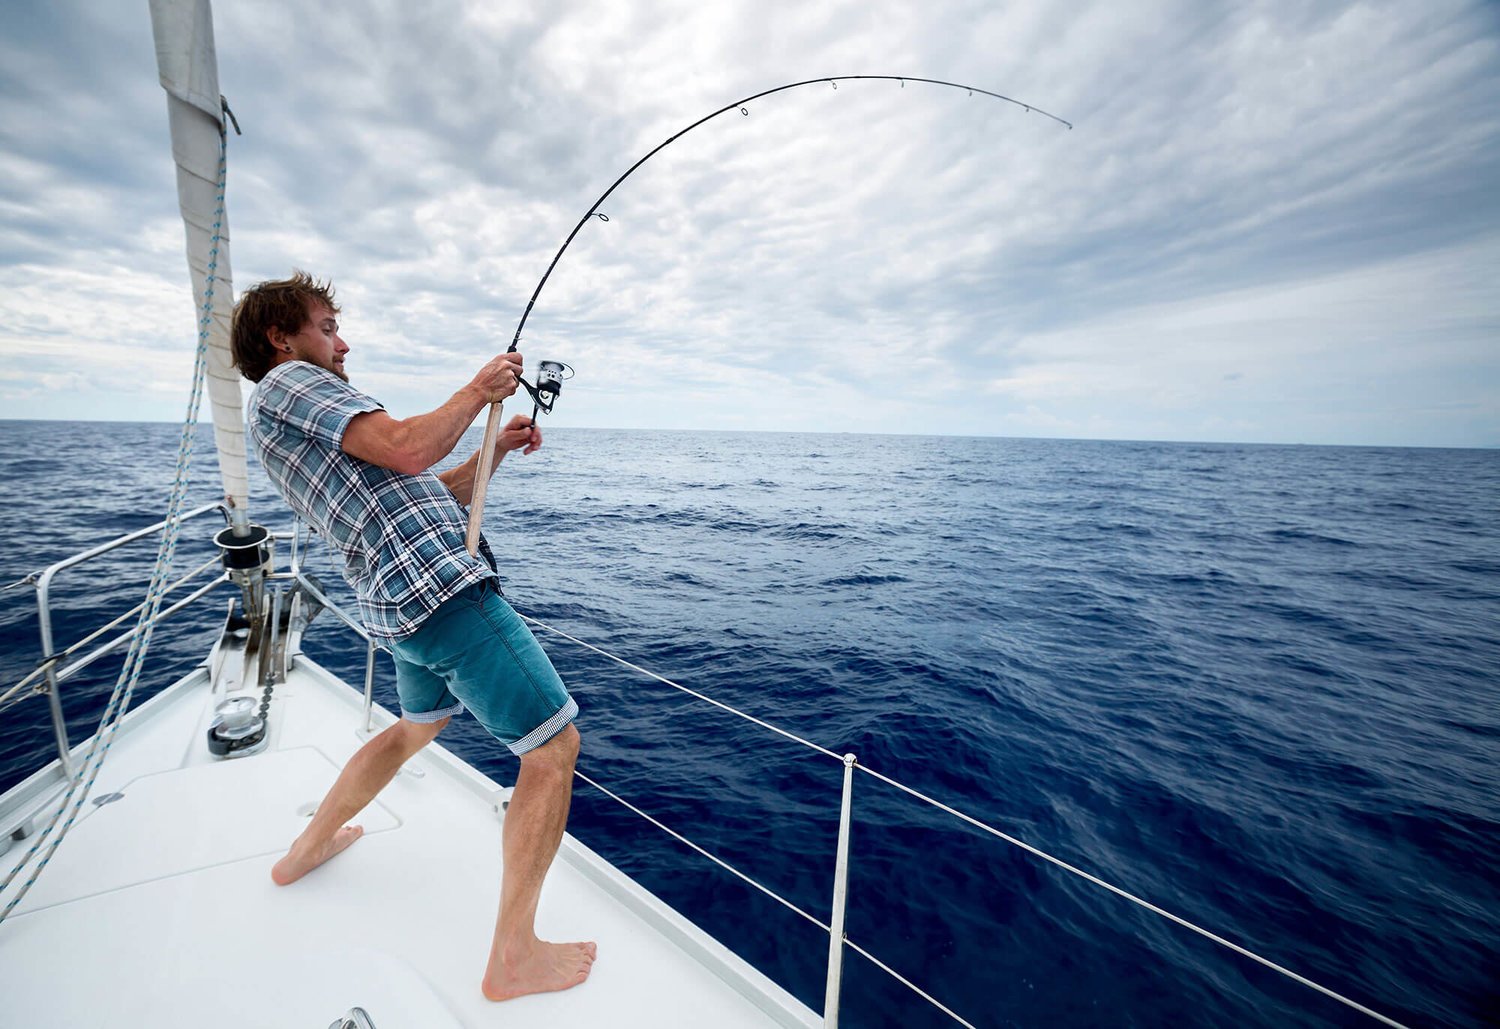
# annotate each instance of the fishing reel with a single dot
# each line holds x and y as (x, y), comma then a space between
(549, 380)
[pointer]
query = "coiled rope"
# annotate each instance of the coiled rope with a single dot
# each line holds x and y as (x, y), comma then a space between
(119, 701)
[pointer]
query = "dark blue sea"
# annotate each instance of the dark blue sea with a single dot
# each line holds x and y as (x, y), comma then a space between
(1256, 685)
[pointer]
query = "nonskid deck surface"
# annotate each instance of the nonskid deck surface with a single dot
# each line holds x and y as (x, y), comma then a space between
(159, 908)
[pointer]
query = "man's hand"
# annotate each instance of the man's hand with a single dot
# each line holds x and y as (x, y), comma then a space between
(497, 380)
(521, 432)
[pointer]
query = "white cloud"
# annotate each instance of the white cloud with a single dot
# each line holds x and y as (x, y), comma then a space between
(1230, 222)
(1367, 345)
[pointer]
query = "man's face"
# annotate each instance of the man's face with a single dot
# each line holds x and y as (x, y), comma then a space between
(318, 342)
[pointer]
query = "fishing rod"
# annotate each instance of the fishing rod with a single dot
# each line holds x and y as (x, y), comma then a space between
(740, 104)
(549, 376)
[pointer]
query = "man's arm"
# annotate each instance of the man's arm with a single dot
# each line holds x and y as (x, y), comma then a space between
(521, 432)
(413, 445)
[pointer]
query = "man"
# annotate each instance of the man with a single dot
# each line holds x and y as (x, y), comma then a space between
(362, 479)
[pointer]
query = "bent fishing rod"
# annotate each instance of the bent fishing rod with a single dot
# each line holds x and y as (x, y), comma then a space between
(550, 373)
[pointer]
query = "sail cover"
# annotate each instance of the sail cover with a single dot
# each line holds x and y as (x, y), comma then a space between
(189, 73)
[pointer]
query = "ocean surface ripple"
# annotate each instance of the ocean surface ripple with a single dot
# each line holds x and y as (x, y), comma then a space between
(1256, 685)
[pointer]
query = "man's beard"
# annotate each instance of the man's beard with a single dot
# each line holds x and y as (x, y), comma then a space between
(331, 366)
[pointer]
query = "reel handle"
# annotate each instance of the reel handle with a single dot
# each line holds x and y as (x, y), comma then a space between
(482, 476)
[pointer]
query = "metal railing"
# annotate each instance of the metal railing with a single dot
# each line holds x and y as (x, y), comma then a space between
(314, 591)
(837, 937)
(46, 677)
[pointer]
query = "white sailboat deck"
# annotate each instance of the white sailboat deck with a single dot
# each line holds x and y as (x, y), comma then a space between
(159, 909)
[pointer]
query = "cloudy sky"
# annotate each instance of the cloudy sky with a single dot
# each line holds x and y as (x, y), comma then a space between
(1271, 221)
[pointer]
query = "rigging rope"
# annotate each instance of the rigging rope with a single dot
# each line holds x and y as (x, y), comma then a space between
(119, 701)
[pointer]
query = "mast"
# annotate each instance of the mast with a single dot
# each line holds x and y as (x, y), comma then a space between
(189, 72)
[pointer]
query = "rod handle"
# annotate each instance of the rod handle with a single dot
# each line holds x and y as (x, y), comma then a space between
(482, 476)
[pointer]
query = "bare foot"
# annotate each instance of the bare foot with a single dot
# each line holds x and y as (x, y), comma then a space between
(539, 968)
(298, 862)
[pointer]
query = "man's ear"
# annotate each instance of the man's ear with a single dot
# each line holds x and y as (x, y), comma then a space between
(277, 338)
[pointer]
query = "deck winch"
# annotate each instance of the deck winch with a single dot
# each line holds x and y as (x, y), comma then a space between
(237, 729)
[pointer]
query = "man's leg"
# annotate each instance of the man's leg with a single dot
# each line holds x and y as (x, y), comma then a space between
(519, 962)
(366, 774)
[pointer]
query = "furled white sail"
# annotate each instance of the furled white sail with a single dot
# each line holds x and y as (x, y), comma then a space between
(189, 72)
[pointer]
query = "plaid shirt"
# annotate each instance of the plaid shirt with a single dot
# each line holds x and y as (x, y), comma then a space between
(401, 536)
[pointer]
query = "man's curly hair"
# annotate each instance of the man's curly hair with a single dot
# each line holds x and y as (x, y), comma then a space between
(281, 304)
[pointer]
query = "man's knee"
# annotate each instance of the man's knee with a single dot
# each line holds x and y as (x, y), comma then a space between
(413, 736)
(559, 753)
(566, 744)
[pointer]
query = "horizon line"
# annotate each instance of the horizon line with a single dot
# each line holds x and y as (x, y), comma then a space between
(844, 432)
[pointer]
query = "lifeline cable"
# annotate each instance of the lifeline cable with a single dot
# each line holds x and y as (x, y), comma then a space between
(954, 812)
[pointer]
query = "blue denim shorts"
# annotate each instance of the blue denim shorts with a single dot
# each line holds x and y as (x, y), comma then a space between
(475, 652)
